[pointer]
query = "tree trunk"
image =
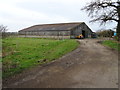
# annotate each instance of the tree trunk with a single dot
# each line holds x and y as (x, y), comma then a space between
(118, 30)
(118, 25)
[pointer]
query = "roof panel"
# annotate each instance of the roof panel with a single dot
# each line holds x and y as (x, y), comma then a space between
(57, 26)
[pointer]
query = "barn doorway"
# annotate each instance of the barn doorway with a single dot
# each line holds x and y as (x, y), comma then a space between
(83, 33)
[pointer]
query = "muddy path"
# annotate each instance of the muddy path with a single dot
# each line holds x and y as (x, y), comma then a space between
(89, 66)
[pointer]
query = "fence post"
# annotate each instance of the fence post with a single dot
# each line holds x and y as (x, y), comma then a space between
(62, 35)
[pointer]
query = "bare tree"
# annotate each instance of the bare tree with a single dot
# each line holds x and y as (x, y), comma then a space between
(104, 11)
(3, 30)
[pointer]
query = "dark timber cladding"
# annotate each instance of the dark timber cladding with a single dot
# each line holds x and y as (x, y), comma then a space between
(61, 29)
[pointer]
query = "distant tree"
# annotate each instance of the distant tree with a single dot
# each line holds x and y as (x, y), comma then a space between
(3, 30)
(104, 11)
(105, 33)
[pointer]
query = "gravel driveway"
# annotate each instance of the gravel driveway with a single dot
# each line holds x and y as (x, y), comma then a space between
(91, 65)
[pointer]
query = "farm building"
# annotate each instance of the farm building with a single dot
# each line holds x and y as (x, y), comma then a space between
(59, 29)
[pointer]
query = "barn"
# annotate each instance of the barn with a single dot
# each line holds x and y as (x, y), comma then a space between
(61, 29)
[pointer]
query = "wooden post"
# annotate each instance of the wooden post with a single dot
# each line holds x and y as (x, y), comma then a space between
(62, 35)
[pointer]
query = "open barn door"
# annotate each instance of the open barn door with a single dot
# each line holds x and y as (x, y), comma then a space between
(83, 33)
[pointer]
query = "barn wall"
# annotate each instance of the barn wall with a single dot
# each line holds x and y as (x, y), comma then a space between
(89, 31)
(46, 33)
(78, 30)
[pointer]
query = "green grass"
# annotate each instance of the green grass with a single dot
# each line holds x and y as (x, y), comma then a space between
(22, 53)
(112, 44)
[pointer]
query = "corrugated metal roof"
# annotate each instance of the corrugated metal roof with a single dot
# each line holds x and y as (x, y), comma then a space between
(57, 26)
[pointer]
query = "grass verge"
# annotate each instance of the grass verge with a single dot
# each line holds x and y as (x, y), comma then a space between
(112, 44)
(19, 54)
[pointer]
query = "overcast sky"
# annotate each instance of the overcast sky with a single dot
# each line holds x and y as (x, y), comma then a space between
(19, 14)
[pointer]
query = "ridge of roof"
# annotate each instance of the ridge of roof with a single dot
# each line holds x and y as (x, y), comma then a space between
(62, 23)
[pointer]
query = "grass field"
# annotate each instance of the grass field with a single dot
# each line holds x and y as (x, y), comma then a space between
(112, 44)
(19, 54)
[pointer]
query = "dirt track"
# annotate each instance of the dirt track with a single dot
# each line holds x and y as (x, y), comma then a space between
(90, 66)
